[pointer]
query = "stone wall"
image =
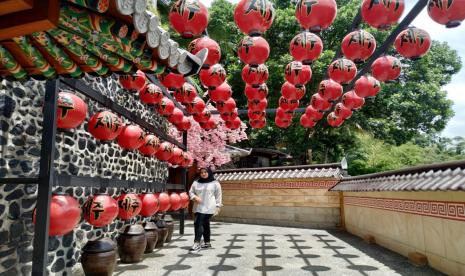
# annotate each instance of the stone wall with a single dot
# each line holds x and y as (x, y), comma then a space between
(430, 223)
(78, 153)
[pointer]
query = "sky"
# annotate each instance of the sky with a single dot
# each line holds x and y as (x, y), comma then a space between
(456, 39)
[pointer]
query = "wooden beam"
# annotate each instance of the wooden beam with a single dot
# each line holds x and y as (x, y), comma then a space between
(11, 6)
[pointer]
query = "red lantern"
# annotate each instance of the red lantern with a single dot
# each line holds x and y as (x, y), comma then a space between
(306, 121)
(352, 101)
(413, 43)
(184, 200)
(175, 202)
(133, 82)
(204, 42)
(315, 15)
(65, 214)
(256, 115)
(177, 156)
(256, 93)
(342, 111)
(234, 124)
(330, 90)
(165, 107)
(71, 111)
(306, 47)
(229, 116)
(254, 17)
(291, 92)
(226, 106)
(257, 105)
(253, 50)
(334, 120)
(149, 204)
(196, 106)
(313, 114)
(131, 137)
(297, 73)
(165, 152)
(367, 86)
(319, 103)
(284, 114)
(152, 94)
(450, 13)
(281, 122)
(220, 94)
(342, 70)
(189, 17)
(257, 123)
(358, 46)
(202, 117)
(212, 77)
(288, 104)
(386, 68)
(209, 124)
(105, 125)
(184, 125)
(255, 74)
(164, 200)
(186, 93)
(129, 206)
(176, 117)
(150, 146)
(100, 210)
(171, 80)
(382, 14)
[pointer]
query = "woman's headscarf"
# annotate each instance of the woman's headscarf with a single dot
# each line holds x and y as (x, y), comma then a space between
(210, 177)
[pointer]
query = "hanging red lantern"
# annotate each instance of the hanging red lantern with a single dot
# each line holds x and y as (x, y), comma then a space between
(330, 90)
(149, 204)
(186, 93)
(367, 86)
(352, 101)
(342, 111)
(229, 116)
(189, 17)
(315, 15)
(306, 47)
(254, 17)
(284, 114)
(413, 43)
(100, 209)
(164, 200)
(71, 110)
(281, 122)
(65, 214)
(131, 137)
(184, 125)
(150, 146)
(257, 105)
(176, 117)
(256, 115)
(134, 82)
(256, 93)
(297, 74)
(165, 107)
(288, 104)
(358, 45)
(211, 123)
(450, 13)
(234, 124)
(292, 92)
(306, 121)
(253, 50)
(221, 93)
(386, 68)
(129, 205)
(204, 42)
(226, 106)
(334, 120)
(171, 80)
(177, 156)
(257, 124)
(342, 70)
(152, 94)
(382, 14)
(202, 117)
(196, 106)
(313, 114)
(255, 74)
(212, 77)
(105, 125)
(184, 200)
(165, 151)
(319, 103)
(175, 202)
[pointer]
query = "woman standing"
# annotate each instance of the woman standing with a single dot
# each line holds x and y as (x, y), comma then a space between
(206, 194)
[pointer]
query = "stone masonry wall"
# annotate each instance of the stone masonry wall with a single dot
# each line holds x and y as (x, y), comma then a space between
(78, 153)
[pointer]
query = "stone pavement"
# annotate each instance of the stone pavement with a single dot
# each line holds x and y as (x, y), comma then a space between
(243, 249)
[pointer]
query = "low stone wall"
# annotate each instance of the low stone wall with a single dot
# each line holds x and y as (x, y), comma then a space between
(300, 203)
(430, 223)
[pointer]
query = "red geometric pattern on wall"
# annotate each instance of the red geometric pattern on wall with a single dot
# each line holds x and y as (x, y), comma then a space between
(280, 185)
(440, 209)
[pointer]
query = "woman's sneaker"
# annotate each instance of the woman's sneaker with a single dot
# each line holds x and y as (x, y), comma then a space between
(195, 248)
(206, 245)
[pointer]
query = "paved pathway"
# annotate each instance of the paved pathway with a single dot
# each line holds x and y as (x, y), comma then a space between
(242, 249)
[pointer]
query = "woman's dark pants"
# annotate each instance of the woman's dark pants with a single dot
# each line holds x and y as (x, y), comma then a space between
(202, 227)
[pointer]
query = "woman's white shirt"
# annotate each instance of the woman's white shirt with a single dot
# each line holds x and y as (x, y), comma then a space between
(210, 195)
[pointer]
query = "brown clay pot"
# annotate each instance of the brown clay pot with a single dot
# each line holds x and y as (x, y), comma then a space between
(131, 243)
(162, 231)
(98, 257)
(170, 226)
(151, 235)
